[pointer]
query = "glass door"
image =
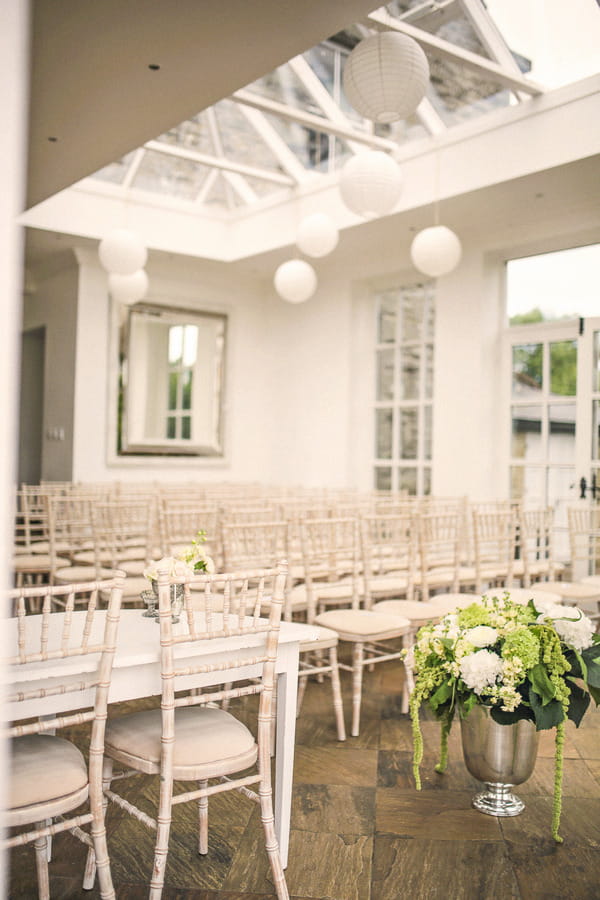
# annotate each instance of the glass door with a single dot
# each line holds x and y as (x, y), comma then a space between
(549, 414)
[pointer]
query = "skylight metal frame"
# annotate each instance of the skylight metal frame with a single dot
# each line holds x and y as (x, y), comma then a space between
(256, 108)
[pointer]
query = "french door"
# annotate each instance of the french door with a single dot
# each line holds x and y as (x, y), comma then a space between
(555, 416)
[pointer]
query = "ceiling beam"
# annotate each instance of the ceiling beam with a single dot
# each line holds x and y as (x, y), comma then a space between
(217, 162)
(317, 123)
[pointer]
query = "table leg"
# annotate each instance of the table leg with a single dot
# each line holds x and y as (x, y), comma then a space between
(287, 689)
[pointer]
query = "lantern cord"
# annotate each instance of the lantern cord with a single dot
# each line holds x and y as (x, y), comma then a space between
(436, 189)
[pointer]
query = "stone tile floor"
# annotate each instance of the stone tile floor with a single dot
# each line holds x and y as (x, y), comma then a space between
(360, 831)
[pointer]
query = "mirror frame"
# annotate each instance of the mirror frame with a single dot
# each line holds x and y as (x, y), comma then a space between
(131, 445)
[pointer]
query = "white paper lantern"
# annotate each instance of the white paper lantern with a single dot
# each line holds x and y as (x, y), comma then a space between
(128, 288)
(386, 76)
(317, 235)
(122, 252)
(436, 250)
(371, 183)
(295, 281)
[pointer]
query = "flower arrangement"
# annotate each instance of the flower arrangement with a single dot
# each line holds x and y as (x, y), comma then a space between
(538, 661)
(192, 558)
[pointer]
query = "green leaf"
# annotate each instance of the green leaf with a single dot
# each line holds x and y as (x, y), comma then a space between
(541, 683)
(547, 715)
(578, 703)
(441, 695)
(593, 673)
(509, 718)
(595, 694)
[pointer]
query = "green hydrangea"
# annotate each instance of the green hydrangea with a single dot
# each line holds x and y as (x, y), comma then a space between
(524, 645)
(473, 615)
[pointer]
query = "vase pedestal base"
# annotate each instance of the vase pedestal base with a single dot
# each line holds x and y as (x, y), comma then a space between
(497, 800)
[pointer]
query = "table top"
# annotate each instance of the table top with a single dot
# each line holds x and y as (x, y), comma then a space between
(138, 643)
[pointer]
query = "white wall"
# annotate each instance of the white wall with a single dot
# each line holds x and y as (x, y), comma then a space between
(53, 306)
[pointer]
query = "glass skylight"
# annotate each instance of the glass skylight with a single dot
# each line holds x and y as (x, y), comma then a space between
(295, 123)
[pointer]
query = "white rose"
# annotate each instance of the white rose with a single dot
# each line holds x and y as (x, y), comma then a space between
(481, 636)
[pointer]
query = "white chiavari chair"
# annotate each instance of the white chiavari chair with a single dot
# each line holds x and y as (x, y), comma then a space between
(190, 738)
(52, 788)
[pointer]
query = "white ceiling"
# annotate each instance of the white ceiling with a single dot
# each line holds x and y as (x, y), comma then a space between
(93, 97)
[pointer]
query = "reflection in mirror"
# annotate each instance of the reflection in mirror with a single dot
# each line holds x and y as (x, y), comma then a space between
(171, 382)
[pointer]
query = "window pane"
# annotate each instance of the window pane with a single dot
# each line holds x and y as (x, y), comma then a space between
(186, 394)
(409, 433)
(186, 428)
(428, 375)
(412, 317)
(383, 432)
(409, 374)
(561, 438)
(427, 480)
(385, 375)
(387, 320)
(173, 382)
(175, 344)
(596, 429)
(407, 480)
(563, 368)
(527, 361)
(596, 377)
(190, 343)
(526, 432)
(383, 479)
(427, 432)
(527, 483)
(171, 427)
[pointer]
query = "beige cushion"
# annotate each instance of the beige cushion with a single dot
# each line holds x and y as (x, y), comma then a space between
(44, 767)
(351, 624)
(202, 735)
(570, 590)
(75, 574)
(417, 612)
(323, 638)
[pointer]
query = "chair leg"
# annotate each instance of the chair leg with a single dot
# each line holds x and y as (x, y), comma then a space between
(266, 810)
(301, 691)
(41, 864)
(338, 706)
(161, 848)
(203, 821)
(357, 674)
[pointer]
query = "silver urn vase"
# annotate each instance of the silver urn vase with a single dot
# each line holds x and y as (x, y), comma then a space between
(150, 598)
(501, 756)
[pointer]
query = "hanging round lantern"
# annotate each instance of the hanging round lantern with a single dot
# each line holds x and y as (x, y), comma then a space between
(317, 235)
(128, 288)
(122, 252)
(295, 281)
(436, 250)
(371, 183)
(386, 76)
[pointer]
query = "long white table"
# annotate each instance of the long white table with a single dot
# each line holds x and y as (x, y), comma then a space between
(136, 674)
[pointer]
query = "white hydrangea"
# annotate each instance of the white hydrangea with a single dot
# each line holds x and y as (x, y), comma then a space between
(481, 636)
(174, 567)
(480, 670)
(572, 626)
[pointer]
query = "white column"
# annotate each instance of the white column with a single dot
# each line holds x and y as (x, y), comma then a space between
(14, 42)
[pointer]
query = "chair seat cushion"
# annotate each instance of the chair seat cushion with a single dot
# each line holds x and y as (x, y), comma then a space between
(356, 624)
(44, 768)
(204, 736)
(322, 639)
(417, 611)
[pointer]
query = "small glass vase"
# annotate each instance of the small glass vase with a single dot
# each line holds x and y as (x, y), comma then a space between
(150, 598)
(499, 755)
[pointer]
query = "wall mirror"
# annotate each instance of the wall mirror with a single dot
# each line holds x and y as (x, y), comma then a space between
(171, 382)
